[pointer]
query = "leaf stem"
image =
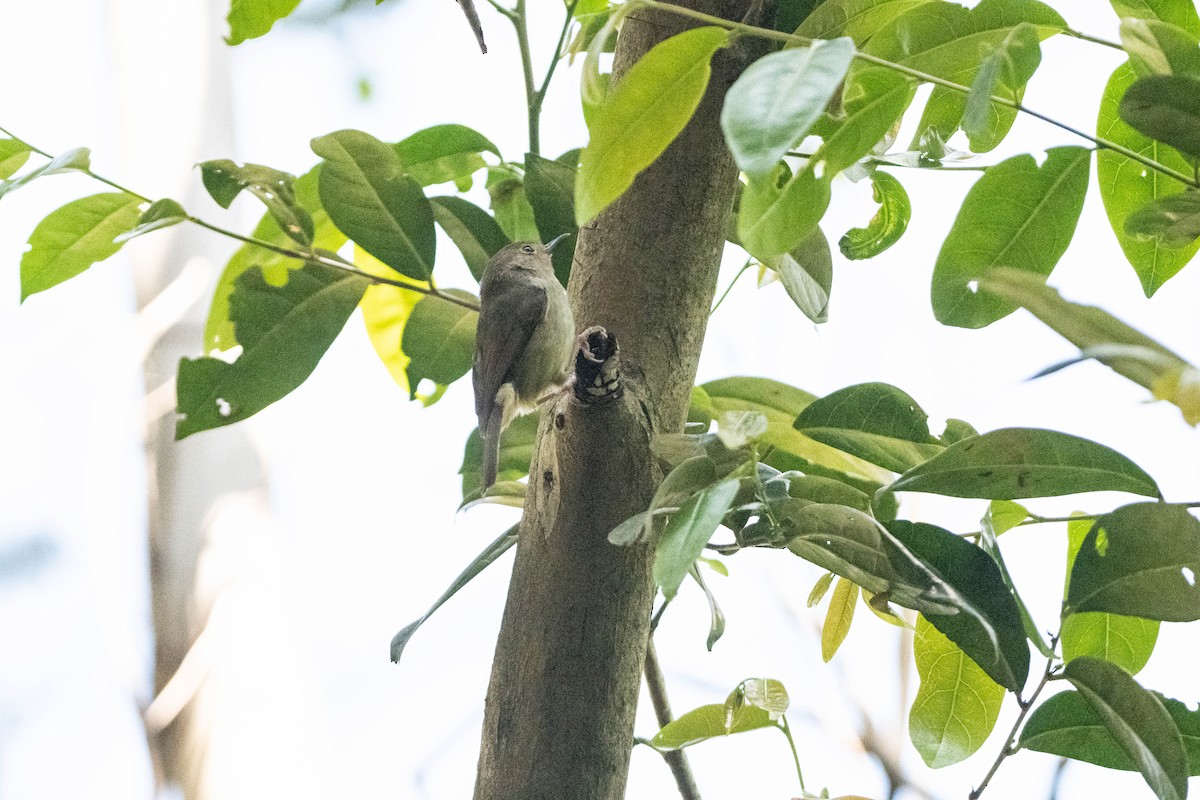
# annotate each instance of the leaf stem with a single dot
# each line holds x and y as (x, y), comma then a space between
(729, 288)
(1074, 34)
(307, 256)
(1026, 706)
(926, 77)
(787, 731)
(676, 759)
(532, 105)
(540, 95)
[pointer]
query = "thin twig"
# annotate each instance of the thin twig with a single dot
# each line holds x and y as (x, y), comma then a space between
(1026, 706)
(926, 77)
(540, 95)
(729, 288)
(522, 29)
(1089, 38)
(676, 759)
(299, 255)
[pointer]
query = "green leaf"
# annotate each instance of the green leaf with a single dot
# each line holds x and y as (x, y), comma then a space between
(874, 421)
(766, 693)
(476, 235)
(1137, 721)
(1004, 515)
(1124, 641)
(219, 331)
(550, 187)
(1140, 560)
(249, 19)
(1068, 725)
(738, 428)
(716, 617)
(439, 339)
(1165, 108)
(1003, 73)
(820, 588)
(888, 224)
(1181, 15)
(369, 198)
(513, 212)
(284, 331)
(872, 103)
(630, 531)
(1159, 48)
(807, 275)
(1126, 186)
(708, 722)
(781, 404)
(225, 180)
(444, 153)
(643, 114)
(481, 562)
(1173, 220)
(957, 704)
(516, 451)
(76, 160)
(777, 215)
(686, 533)
(770, 108)
(949, 41)
(1016, 215)
(1013, 463)
(838, 618)
(852, 544)
(72, 238)
(994, 638)
(858, 19)
(161, 214)
(13, 155)
(1102, 336)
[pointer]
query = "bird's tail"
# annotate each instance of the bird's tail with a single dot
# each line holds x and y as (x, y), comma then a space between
(491, 445)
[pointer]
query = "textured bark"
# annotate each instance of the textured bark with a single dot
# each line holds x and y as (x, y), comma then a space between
(565, 680)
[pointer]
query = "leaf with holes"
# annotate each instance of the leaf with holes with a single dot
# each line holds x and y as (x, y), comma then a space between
(642, 114)
(874, 421)
(225, 180)
(284, 331)
(957, 704)
(1013, 463)
(72, 238)
(1137, 721)
(1124, 641)
(1017, 215)
(1142, 561)
(368, 196)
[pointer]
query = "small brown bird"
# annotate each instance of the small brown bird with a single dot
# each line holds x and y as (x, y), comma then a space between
(523, 343)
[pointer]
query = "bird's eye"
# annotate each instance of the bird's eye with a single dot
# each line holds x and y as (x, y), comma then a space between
(528, 248)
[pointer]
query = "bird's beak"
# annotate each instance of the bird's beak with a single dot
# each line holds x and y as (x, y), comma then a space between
(553, 243)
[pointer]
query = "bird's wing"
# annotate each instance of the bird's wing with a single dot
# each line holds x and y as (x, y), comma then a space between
(506, 322)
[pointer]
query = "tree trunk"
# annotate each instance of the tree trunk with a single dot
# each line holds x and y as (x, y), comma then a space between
(565, 680)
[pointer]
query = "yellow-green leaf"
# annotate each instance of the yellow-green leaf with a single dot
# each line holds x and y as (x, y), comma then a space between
(838, 618)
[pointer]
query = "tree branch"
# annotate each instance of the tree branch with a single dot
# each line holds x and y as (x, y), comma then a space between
(676, 759)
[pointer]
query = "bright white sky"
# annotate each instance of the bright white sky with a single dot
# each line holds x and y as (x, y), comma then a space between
(361, 534)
